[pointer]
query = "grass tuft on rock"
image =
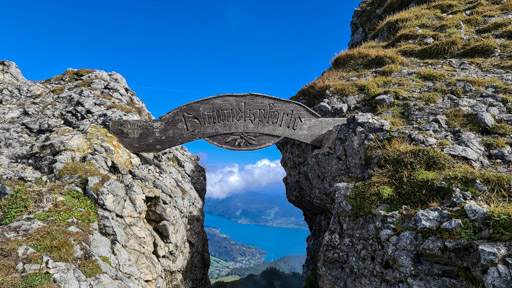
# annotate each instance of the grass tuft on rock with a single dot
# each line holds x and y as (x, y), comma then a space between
(482, 49)
(74, 74)
(495, 26)
(417, 176)
(430, 98)
(457, 118)
(445, 48)
(106, 260)
(501, 129)
(388, 70)
(404, 175)
(14, 205)
(90, 267)
(501, 223)
(82, 170)
(431, 75)
(366, 58)
(495, 143)
(75, 205)
(37, 280)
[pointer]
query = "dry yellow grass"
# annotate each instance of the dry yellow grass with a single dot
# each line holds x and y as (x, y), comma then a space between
(366, 58)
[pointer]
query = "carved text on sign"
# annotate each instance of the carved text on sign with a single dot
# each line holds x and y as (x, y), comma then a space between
(243, 113)
(232, 121)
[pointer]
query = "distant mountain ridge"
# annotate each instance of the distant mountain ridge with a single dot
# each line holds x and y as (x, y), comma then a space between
(270, 209)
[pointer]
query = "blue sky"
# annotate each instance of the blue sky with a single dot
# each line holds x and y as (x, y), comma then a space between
(174, 52)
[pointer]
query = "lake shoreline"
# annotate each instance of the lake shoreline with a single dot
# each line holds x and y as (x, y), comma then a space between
(276, 241)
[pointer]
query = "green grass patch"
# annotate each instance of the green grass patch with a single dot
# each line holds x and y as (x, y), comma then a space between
(457, 118)
(311, 94)
(495, 143)
(54, 240)
(15, 205)
(506, 99)
(75, 205)
(430, 98)
(74, 74)
(410, 175)
(470, 278)
(58, 90)
(446, 48)
(106, 260)
(369, 88)
(418, 16)
(501, 129)
(84, 83)
(495, 26)
(431, 75)
(397, 117)
(90, 267)
(482, 49)
(366, 58)
(388, 70)
(446, 7)
(405, 177)
(410, 35)
(507, 6)
(121, 108)
(444, 143)
(82, 170)
(501, 223)
(37, 280)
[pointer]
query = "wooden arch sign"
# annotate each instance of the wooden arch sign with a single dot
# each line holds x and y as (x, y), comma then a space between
(240, 122)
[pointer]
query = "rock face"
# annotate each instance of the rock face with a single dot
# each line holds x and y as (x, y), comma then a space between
(413, 191)
(77, 207)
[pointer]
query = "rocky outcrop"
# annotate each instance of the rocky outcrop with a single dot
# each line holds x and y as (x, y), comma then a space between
(370, 14)
(78, 209)
(414, 190)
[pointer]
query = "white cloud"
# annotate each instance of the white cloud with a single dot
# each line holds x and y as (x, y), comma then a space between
(223, 182)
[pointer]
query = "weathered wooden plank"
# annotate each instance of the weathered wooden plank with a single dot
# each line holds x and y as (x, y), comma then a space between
(232, 121)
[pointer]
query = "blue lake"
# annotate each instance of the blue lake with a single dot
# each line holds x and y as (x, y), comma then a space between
(278, 242)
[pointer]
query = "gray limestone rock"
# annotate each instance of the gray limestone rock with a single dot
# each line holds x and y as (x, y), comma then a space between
(485, 119)
(453, 224)
(4, 191)
(475, 212)
(491, 253)
(24, 250)
(461, 151)
(428, 40)
(430, 218)
(47, 125)
(468, 88)
(10, 72)
(323, 108)
(498, 277)
(384, 100)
